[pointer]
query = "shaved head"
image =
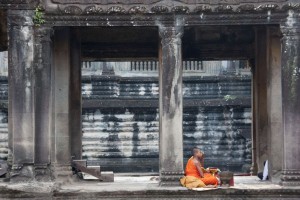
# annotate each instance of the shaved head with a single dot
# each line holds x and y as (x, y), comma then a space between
(197, 153)
(195, 150)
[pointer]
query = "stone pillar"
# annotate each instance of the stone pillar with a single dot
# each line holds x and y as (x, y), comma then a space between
(61, 137)
(260, 97)
(253, 169)
(42, 101)
(75, 97)
(170, 106)
(21, 93)
(274, 104)
(291, 100)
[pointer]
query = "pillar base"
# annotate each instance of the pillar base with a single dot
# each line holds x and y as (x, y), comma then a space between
(21, 173)
(290, 178)
(170, 178)
(62, 173)
(253, 169)
(42, 173)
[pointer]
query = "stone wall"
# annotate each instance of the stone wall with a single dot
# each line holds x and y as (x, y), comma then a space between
(120, 131)
(3, 118)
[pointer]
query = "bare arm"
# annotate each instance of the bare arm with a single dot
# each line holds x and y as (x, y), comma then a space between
(198, 165)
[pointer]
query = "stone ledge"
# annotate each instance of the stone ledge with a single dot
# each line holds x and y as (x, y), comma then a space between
(111, 103)
(161, 193)
(145, 186)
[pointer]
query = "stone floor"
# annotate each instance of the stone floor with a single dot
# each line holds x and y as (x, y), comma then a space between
(128, 187)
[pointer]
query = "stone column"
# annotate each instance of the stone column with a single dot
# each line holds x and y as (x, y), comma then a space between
(170, 106)
(42, 101)
(260, 97)
(21, 93)
(253, 169)
(75, 96)
(291, 100)
(61, 137)
(274, 104)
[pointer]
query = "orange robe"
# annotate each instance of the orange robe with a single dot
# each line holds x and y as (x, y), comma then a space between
(191, 170)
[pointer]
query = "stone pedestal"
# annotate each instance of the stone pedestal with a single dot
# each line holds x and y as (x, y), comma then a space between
(21, 93)
(170, 106)
(291, 100)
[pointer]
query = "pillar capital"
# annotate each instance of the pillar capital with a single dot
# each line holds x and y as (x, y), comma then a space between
(20, 18)
(291, 26)
(44, 32)
(170, 34)
(290, 32)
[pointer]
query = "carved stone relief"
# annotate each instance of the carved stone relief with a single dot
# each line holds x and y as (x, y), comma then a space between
(105, 2)
(92, 7)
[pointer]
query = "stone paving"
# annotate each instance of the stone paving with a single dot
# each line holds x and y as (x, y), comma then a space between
(128, 187)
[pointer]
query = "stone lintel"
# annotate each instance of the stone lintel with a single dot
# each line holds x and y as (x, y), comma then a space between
(94, 7)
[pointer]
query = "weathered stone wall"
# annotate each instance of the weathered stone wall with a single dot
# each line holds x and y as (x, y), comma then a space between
(3, 118)
(123, 135)
(125, 139)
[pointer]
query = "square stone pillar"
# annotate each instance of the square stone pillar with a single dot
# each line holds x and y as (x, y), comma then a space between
(42, 101)
(253, 169)
(61, 136)
(260, 97)
(75, 96)
(170, 106)
(274, 104)
(21, 93)
(290, 62)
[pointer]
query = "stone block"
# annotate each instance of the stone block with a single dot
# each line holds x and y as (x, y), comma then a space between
(108, 176)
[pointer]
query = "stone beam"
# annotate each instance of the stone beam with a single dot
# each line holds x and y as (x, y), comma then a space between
(21, 93)
(170, 106)
(212, 51)
(291, 99)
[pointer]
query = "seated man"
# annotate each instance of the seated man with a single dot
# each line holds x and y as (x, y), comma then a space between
(194, 167)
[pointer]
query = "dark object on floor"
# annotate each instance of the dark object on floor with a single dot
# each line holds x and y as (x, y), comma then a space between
(226, 178)
(260, 176)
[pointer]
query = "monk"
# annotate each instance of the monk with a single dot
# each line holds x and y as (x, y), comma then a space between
(194, 167)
